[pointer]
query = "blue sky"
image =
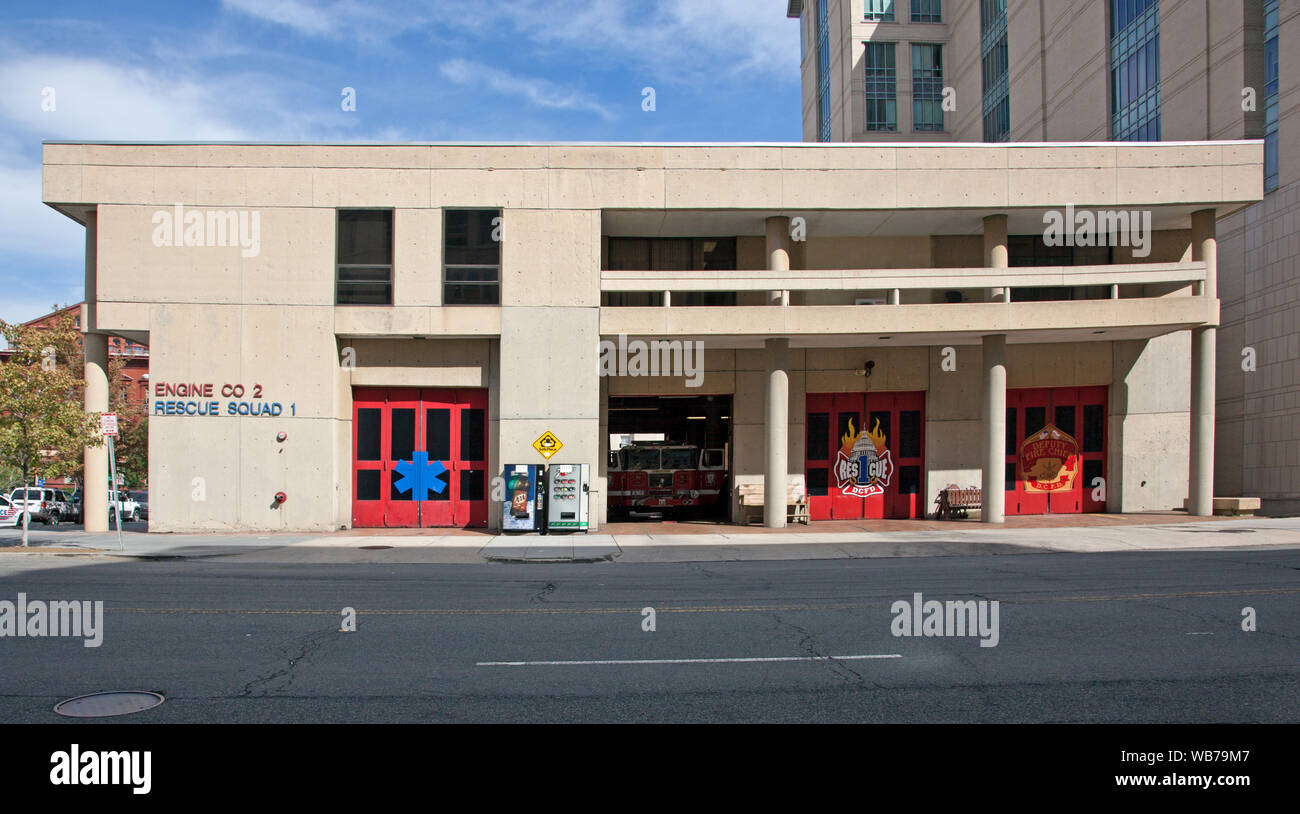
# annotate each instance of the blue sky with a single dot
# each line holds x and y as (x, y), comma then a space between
(437, 70)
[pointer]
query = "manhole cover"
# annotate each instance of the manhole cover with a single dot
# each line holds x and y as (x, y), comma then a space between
(108, 704)
(374, 547)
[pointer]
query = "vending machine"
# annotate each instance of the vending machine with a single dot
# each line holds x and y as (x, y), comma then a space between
(524, 502)
(567, 487)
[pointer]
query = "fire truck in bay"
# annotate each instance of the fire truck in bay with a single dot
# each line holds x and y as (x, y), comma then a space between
(666, 475)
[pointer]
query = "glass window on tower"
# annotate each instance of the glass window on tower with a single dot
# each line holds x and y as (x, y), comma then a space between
(823, 71)
(927, 11)
(882, 87)
(1135, 70)
(994, 70)
(1270, 95)
(927, 87)
(880, 10)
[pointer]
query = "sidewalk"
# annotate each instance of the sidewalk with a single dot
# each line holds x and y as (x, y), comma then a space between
(687, 542)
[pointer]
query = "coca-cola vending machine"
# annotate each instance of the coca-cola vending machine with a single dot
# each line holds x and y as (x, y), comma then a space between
(524, 502)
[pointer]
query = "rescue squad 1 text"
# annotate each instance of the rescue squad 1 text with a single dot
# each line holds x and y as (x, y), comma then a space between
(183, 399)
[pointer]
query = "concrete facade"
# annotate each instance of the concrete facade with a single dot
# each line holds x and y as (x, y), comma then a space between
(1059, 89)
(212, 315)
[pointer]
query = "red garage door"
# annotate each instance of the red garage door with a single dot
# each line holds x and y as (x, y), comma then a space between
(419, 457)
(864, 455)
(1056, 450)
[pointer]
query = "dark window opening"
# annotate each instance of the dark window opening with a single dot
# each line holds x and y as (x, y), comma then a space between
(437, 433)
(471, 435)
(472, 484)
(1065, 419)
(818, 482)
(819, 431)
(1092, 470)
(909, 434)
(367, 484)
(368, 434)
(909, 480)
(1035, 420)
(1094, 427)
(471, 257)
(364, 257)
(402, 446)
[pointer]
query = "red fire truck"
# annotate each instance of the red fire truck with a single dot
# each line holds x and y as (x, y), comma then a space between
(666, 475)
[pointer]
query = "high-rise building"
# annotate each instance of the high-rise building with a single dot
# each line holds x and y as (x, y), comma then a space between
(1107, 70)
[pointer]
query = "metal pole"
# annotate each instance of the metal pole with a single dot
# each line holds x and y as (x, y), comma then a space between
(116, 506)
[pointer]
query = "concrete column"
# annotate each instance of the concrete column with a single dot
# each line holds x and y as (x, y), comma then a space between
(995, 429)
(995, 253)
(1200, 480)
(778, 254)
(94, 490)
(1205, 248)
(775, 430)
(599, 504)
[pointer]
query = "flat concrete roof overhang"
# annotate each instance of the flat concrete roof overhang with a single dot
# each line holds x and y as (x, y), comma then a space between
(679, 182)
(870, 222)
(912, 325)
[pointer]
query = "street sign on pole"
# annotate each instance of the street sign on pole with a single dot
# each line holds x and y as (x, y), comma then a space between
(108, 424)
(115, 506)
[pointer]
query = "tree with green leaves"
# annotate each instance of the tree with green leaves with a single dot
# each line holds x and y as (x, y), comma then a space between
(131, 449)
(41, 412)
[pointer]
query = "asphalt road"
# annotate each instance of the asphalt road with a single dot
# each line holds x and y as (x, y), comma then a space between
(1151, 637)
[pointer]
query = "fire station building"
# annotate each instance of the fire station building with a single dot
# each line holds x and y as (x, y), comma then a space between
(860, 324)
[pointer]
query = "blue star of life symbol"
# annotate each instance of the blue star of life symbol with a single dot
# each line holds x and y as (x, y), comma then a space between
(420, 476)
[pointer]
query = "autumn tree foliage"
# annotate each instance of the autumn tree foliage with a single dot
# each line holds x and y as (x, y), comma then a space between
(41, 391)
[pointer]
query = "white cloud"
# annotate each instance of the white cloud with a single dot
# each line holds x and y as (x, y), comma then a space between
(684, 39)
(349, 19)
(680, 39)
(303, 17)
(94, 99)
(101, 100)
(539, 92)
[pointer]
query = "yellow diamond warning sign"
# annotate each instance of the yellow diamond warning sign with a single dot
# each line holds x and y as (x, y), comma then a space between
(548, 445)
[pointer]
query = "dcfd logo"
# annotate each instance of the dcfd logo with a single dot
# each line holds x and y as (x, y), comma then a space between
(863, 466)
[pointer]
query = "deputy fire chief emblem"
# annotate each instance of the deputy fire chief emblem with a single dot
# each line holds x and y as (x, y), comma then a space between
(1049, 460)
(863, 466)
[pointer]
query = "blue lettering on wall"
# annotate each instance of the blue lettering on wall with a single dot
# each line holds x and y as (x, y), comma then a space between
(212, 408)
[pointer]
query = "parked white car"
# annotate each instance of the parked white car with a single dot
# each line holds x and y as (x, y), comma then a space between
(126, 504)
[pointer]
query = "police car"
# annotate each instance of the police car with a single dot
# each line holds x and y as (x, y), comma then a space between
(10, 517)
